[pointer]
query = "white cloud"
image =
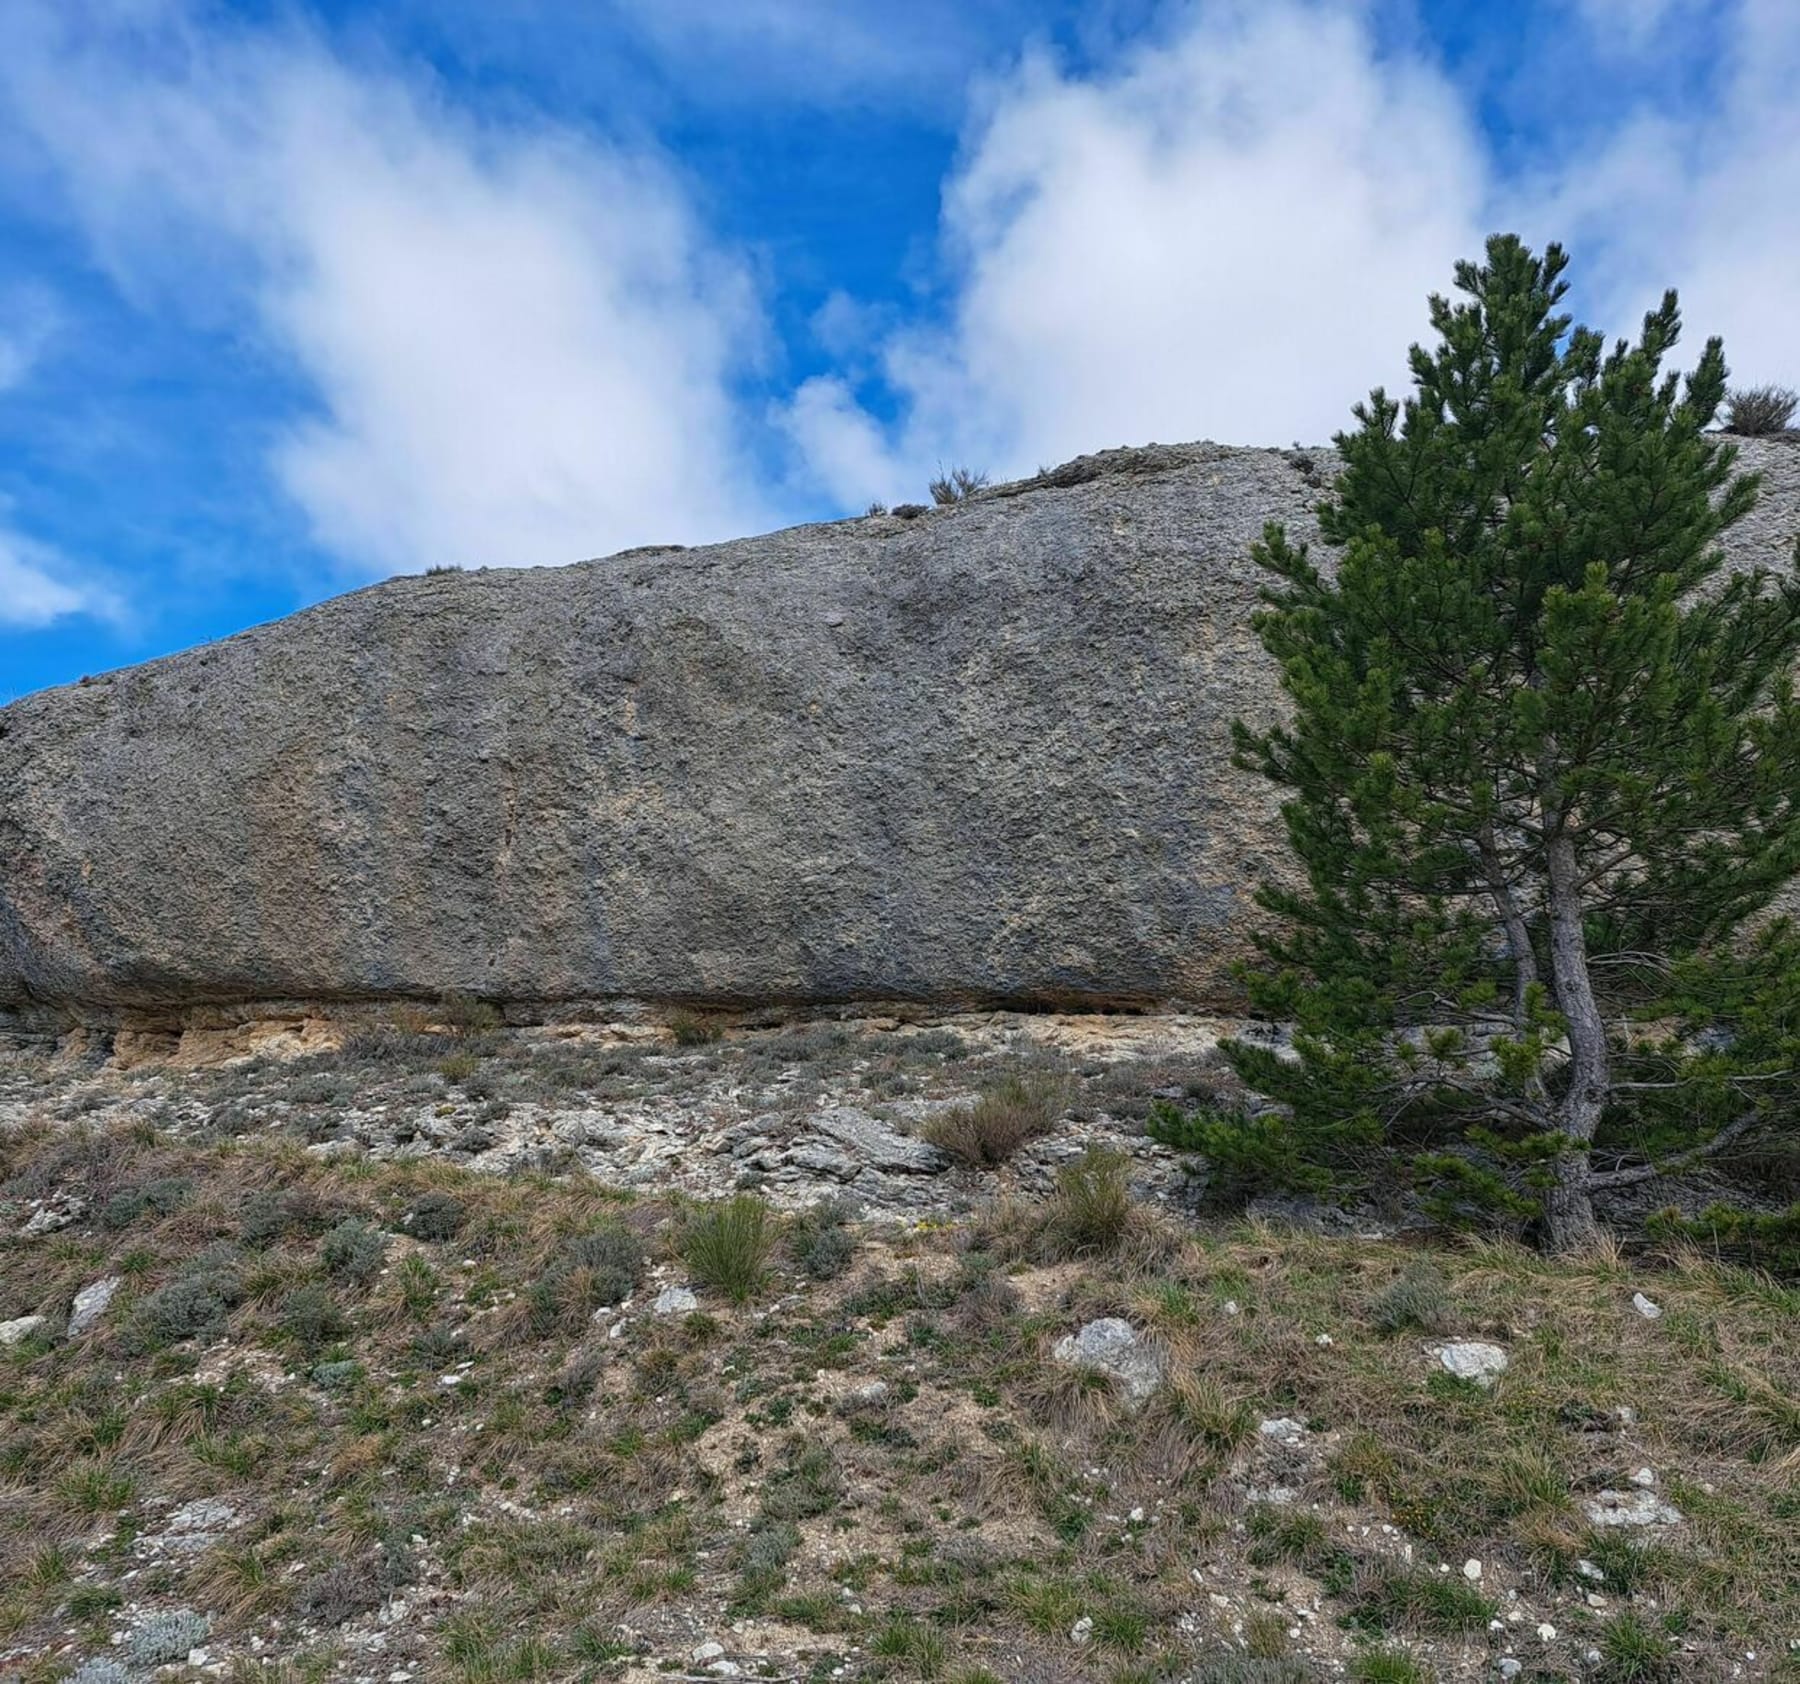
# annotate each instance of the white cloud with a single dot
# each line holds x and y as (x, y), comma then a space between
(1635, 26)
(17, 354)
(28, 321)
(1231, 235)
(521, 343)
(1703, 201)
(38, 586)
(920, 53)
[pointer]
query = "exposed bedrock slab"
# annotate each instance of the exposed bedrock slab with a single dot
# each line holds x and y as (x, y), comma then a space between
(982, 754)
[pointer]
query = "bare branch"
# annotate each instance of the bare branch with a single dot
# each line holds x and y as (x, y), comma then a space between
(1649, 1172)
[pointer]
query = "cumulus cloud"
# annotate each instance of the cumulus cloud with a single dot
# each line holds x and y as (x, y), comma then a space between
(1701, 199)
(520, 344)
(38, 586)
(1228, 235)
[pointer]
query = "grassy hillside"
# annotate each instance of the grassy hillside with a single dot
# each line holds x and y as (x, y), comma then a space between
(403, 1421)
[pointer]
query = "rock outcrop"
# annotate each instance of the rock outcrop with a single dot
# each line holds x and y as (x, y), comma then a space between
(981, 754)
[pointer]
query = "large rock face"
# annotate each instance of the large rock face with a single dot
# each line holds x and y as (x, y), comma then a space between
(981, 754)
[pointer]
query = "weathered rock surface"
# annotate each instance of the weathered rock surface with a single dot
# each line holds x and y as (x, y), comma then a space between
(21, 1328)
(1630, 1508)
(981, 754)
(1113, 1346)
(92, 1302)
(1472, 1359)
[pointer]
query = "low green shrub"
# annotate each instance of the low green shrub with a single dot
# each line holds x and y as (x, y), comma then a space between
(1418, 1299)
(100, 1670)
(464, 1014)
(1757, 410)
(692, 1029)
(352, 1251)
(1633, 1652)
(270, 1216)
(1387, 1597)
(195, 1303)
(458, 1067)
(957, 486)
(1388, 1666)
(587, 1271)
(821, 1240)
(154, 1198)
(762, 1565)
(311, 1318)
(1247, 1669)
(435, 1217)
(1756, 1239)
(166, 1637)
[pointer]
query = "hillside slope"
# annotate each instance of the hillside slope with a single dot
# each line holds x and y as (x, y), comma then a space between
(301, 1381)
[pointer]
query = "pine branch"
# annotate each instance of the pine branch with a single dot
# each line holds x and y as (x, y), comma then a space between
(1707, 1149)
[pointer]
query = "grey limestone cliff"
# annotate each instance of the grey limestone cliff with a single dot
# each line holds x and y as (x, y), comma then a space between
(976, 755)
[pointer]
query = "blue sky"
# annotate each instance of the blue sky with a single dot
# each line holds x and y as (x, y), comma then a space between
(296, 296)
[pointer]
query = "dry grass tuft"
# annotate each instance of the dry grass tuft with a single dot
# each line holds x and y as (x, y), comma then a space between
(1019, 1108)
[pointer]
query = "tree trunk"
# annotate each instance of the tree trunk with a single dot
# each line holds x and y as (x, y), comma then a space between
(1569, 1207)
(1569, 1221)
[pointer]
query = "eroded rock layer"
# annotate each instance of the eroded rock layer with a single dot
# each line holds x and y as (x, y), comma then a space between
(979, 754)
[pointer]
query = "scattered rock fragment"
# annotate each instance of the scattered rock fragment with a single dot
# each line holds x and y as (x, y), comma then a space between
(1630, 1508)
(1645, 1307)
(191, 1529)
(1115, 1347)
(675, 1301)
(821, 1159)
(1471, 1359)
(53, 1214)
(16, 1332)
(91, 1304)
(1283, 1430)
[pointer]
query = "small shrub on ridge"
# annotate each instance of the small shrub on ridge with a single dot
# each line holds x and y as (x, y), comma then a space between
(1757, 410)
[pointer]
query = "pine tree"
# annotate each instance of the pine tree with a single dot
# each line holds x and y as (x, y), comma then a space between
(1543, 783)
